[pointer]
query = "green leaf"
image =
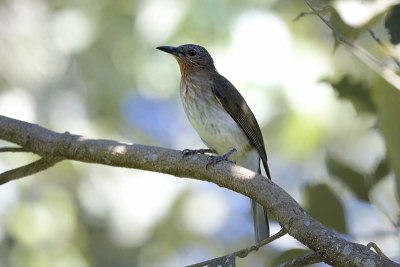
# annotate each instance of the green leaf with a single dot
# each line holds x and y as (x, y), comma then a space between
(357, 92)
(359, 183)
(387, 101)
(324, 205)
(353, 179)
(392, 24)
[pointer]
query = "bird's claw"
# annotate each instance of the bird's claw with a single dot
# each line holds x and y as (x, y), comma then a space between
(212, 160)
(190, 152)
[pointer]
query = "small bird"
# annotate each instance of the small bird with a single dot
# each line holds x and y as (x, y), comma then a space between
(221, 117)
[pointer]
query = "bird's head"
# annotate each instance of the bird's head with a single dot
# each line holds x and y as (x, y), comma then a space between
(190, 57)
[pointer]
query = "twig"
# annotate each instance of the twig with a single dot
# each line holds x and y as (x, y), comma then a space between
(29, 169)
(388, 74)
(377, 249)
(214, 261)
(382, 45)
(303, 14)
(302, 261)
(13, 149)
(243, 252)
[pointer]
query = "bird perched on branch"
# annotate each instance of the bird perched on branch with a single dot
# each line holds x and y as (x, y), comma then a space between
(221, 117)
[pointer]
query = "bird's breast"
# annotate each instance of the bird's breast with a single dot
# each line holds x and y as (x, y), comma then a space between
(210, 120)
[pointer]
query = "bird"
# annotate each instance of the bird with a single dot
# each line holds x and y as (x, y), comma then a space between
(222, 119)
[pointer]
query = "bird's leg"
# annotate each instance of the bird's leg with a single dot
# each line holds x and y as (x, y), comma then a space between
(212, 160)
(189, 152)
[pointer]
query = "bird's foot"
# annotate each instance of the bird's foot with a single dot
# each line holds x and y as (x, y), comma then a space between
(190, 152)
(212, 160)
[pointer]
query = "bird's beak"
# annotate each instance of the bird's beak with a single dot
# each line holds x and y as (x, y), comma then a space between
(170, 50)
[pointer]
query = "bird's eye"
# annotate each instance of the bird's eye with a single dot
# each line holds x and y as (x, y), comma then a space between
(192, 52)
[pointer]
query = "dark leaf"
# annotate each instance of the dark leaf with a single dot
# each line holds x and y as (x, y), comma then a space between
(387, 100)
(324, 205)
(353, 179)
(392, 24)
(357, 92)
(381, 170)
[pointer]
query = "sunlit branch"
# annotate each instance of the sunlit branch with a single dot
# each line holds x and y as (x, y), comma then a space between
(332, 248)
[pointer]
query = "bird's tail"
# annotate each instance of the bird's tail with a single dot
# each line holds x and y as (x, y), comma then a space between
(260, 219)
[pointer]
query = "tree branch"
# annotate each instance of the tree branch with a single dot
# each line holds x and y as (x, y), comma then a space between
(244, 252)
(29, 169)
(240, 253)
(331, 247)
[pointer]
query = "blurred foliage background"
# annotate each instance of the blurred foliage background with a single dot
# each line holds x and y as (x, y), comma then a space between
(331, 126)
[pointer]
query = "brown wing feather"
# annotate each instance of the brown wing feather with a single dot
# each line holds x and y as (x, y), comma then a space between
(234, 103)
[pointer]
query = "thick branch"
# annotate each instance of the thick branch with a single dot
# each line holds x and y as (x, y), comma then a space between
(333, 249)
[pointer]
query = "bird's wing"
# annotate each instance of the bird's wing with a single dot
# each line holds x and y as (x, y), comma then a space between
(233, 102)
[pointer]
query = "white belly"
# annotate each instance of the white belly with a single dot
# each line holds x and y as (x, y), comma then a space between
(217, 128)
